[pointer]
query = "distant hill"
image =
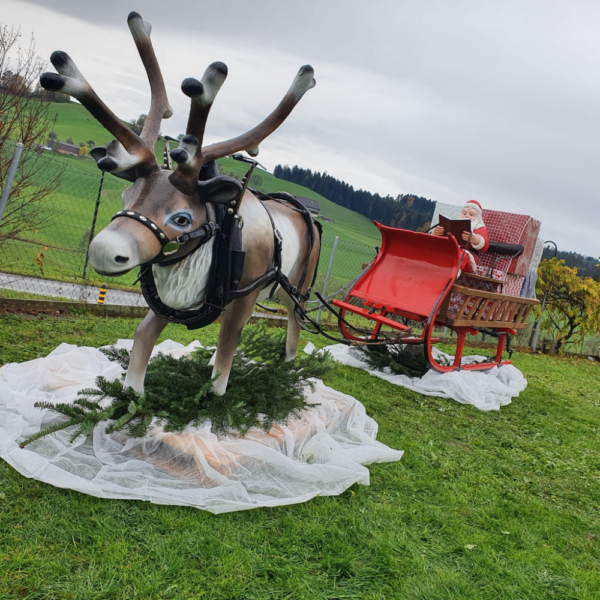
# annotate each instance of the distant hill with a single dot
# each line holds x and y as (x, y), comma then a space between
(406, 211)
(587, 266)
(347, 224)
(73, 121)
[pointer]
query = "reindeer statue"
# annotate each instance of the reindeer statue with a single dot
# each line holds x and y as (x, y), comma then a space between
(206, 245)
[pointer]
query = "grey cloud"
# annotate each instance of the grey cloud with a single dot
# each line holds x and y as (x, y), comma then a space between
(491, 100)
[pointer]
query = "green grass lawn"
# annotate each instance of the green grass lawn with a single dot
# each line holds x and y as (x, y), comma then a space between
(482, 505)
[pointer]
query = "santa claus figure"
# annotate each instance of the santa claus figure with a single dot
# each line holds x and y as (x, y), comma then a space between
(475, 242)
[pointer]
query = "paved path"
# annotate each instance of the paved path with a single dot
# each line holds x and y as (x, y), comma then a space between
(87, 293)
(69, 291)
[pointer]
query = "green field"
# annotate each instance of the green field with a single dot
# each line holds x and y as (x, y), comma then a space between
(65, 229)
(486, 506)
(69, 213)
(73, 121)
(62, 239)
(348, 225)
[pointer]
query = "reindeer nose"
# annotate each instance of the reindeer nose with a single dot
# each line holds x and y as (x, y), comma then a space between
(114, 252)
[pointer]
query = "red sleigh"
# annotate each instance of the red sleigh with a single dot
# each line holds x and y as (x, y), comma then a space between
(412, 284)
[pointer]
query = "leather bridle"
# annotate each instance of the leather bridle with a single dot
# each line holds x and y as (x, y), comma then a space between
(202, 235)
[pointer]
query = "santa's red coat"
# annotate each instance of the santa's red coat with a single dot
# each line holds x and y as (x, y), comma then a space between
(469, 261)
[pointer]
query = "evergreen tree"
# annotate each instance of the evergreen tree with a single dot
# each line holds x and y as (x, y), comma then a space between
(406, 211)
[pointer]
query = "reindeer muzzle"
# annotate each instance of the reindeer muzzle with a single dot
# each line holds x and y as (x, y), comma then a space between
(169, 247)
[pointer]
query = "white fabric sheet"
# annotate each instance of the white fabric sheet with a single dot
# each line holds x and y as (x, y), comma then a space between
(485, 390)
(321, 453)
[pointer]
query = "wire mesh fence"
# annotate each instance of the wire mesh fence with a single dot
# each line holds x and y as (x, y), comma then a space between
(51, 261)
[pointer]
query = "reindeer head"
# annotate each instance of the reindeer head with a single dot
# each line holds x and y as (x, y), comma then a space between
(164, 204)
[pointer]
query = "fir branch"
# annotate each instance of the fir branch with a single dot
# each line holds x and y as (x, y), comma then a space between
(263, 390)
(52, 429)
(400, 360)
(120, 355)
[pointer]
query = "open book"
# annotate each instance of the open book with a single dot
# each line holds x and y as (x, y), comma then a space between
(456, 227)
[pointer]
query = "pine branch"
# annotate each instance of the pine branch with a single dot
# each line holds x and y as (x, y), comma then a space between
(52, 429)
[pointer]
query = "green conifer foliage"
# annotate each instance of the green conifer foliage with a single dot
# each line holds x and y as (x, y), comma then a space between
(262, 390)
(400, 360)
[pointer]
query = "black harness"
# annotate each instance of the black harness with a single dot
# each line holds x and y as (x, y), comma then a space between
(227, 262)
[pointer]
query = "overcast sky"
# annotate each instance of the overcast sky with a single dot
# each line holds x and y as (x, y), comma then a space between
(497, 101)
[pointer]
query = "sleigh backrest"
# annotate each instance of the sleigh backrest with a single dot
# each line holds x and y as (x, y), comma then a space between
(509, 228)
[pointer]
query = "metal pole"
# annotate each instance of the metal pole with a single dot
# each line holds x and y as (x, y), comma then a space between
(335, 243)
(536, 329)
(10, 177)
(537, 325)
(87, 253)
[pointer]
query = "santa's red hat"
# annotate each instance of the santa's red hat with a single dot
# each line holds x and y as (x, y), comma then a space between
(472, 204)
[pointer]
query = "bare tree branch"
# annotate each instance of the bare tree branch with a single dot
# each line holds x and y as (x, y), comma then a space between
(24, 117)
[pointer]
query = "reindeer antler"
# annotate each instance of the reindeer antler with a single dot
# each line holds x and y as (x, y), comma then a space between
(128, 151)
(190, 155)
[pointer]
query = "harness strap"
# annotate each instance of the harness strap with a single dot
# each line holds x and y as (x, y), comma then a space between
(151, 225)
(204, 233)
(227, 265)
(195, 318)
(298, 207)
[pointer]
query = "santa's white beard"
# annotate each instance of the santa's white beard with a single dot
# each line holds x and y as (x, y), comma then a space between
(476, 223)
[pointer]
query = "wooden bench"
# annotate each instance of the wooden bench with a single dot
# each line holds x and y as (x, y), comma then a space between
(487, 309)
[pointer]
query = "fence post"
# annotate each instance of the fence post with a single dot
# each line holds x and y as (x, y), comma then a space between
(87, 252)
(10, 177)
(335, 243)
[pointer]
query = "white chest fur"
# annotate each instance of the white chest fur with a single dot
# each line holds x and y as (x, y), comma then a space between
(183, 285)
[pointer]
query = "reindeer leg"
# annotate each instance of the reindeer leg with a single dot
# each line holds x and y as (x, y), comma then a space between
(293, 330)
(145, 337)
(232, 323)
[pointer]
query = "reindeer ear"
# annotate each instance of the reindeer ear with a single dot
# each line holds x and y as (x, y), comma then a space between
(220, 190)
(99, 152)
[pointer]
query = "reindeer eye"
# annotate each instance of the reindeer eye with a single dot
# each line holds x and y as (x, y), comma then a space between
(181, 220)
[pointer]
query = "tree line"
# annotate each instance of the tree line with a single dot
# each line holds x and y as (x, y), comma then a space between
(406, 211)
(586, 266)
